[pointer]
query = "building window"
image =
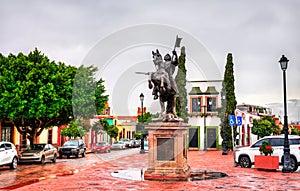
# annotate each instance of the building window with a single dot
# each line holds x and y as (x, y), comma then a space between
(196, 104)
(50, 136)
(6, 134)
(211, 104)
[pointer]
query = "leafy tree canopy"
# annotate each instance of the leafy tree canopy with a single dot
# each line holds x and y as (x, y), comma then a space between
(87, 95)
(36, 93)
(265, 127)
(262, 127)
(73, 130)
(102, 126)
(144, 120)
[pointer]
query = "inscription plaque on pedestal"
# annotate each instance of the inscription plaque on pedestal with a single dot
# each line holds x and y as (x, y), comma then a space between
(165, 149)
(167, 157)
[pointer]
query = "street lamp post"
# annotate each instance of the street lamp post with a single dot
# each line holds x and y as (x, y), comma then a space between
(286, 149)
(142, 140)
(204, 107)
(224, 147)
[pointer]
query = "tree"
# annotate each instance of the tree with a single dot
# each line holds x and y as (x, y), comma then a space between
(101, 99)
(73, 130)
(143, 120)
(138, 135)
(262, 128)
(265, 127)
(36, 93)
(181, 101)
(88, 99)
(295, 131)
(229, 103)
(276, 128)
(102, 125)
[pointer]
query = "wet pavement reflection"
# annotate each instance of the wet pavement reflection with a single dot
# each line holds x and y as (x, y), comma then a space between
(26, 174)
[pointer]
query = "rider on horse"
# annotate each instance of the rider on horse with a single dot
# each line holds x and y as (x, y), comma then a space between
(165, 70)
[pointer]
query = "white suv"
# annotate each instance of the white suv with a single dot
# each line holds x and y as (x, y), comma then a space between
(8, 155)
(244, 156)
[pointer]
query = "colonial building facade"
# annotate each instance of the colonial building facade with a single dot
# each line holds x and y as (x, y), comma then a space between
(203, 101)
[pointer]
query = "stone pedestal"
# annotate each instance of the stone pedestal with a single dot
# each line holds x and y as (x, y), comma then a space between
(167, 158)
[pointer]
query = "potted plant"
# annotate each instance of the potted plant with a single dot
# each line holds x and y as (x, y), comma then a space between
(265, 160)
(266, 149)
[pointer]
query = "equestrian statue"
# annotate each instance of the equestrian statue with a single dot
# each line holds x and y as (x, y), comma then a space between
(162, 83)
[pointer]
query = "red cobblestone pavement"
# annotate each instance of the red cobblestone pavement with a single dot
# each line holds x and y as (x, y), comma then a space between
(98, 176)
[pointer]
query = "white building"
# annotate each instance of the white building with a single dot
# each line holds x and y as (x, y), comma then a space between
(203, 100)
(249, 113)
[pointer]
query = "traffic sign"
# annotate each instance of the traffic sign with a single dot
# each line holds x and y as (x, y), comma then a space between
(239, 120)
(231, 120)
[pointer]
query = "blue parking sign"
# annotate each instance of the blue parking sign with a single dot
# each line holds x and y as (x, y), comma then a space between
(239, 120)
(231, 120)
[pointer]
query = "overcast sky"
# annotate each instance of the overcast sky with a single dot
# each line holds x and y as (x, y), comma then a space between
(256, 32)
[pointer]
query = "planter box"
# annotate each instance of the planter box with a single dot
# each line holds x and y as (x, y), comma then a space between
(266, 162)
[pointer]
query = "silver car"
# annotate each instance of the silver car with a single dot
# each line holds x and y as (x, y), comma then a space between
(118, 145)
(39, 153)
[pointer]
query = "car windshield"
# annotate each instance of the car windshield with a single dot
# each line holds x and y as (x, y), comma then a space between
(118, 142)
(259, 143)
(100, 144)
(35, 147)
(71, 143)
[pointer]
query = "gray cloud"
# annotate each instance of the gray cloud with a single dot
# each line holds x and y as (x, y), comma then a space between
(256, 32)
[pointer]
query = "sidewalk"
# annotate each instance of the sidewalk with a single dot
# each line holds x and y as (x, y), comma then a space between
(98, 176)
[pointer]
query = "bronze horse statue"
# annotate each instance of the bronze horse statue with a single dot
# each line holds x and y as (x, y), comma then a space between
(163, 84)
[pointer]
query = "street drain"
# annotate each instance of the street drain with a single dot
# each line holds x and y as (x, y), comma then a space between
(206, 175)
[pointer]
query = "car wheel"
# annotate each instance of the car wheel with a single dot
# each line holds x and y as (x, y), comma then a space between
(109, 150)
(14, 163)
(68, 156)
(83, 154)
(245, 162)
(43, 160)
(76, 155)
(294, 164)
(54, 158)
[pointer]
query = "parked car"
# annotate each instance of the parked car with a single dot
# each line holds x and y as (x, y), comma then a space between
(101, 147)
(118, 145)
(8, 155)
(245, 156)
(132, 143)
(39, 153)
(127, 142)
(138, 142)
(73, 148)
